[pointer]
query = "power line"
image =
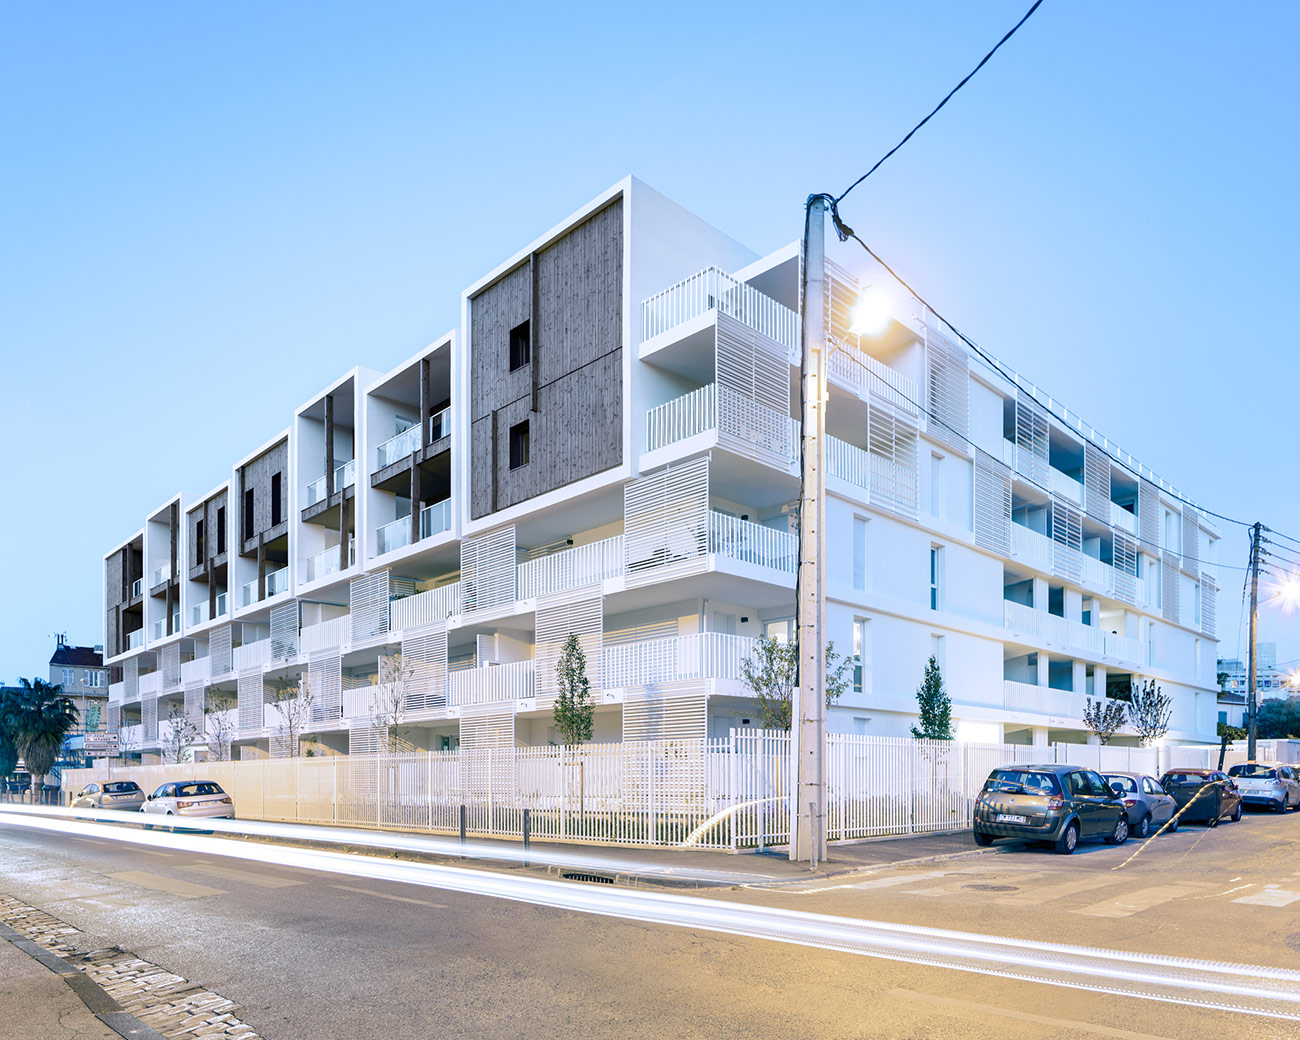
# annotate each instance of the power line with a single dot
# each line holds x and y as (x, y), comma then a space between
(947, 97)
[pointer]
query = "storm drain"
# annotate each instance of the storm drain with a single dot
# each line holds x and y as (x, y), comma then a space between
(597, 879)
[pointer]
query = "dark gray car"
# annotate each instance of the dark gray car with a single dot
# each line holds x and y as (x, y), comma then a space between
(1054, 803)
(1149, 806)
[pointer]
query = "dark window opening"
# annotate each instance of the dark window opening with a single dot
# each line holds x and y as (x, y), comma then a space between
(221, 530)
(519, 445)
(198, 543)
(248, 514)
(520, 347)
(277, 514)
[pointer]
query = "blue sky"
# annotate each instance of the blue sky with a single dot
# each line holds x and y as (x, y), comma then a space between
(211, 211)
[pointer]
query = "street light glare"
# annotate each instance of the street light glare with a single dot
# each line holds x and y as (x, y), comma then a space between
(872, 312)
(1287, 591)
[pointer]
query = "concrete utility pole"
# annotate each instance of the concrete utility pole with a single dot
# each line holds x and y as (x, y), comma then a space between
(808, 719)
(1252, 704)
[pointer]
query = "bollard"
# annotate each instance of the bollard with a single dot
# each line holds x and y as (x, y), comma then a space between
(528, 833)
(464, 816)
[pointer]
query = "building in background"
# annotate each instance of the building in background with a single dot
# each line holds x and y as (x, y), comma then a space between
(608, 447)
(80, 670)
(1271, 683)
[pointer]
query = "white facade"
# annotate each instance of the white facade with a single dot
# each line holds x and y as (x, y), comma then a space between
(969, 517)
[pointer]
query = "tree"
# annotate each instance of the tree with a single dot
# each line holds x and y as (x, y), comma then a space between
(1221, 678)
(1149, 710)
(218, 726)
(388, 701)
(573, 712)
(1278, 719)
(8, 746)
(181, 734)
(935, 706)
(42, 721)
(771, 670)
(1104, 717)
(293, 703)
(1231, 732)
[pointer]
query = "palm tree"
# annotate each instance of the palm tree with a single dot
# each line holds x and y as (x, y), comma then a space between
(41, 722)
(8, 747)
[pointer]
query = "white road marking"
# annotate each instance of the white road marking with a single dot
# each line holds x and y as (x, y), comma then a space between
(1273, 895)
(1136, 902)
(184, 889)
(385, 895)
(1046, 893)
(246, 876)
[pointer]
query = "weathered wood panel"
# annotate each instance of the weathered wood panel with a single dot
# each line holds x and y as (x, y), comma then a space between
(257, 475)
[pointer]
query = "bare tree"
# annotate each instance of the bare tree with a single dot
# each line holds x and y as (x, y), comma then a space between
(388, 701)
(1104, 717)
(218, 726)
(293, 703)
(1149, 711)
(181, 734)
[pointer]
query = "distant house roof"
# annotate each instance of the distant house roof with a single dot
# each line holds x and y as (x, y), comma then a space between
(86, 656)
(1231, 698)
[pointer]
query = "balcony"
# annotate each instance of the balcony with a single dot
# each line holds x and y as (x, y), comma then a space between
(434, 519)
(424, 608)
(160, 575)
(1040, 626)
(129, 737)
(720, 410)
(135, 639)
(863, 374)
(493, 684)
(195, 671)
(752, 543)
(137, 588)
(344, 476)
(714, 289)
(708, 655)
(150, 683)
(572, 568)
(328, 635)
(358, 702)
(1065, 486)
(199, 613)
(440, 425)
(1031, 546)
(1042, 700)
(251, 655)
(160, 626)
(326, 562)
(277, 582)
(1122, 518)
(116, 692)
(397, 448)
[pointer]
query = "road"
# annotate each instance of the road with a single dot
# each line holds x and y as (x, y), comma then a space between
(308, 953)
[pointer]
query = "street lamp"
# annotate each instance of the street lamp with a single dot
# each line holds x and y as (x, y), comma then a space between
(872, 312)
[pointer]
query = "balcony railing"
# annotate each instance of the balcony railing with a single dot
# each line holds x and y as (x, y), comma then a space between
(327, 635)
(251, 655)
(199, 613)
(161, 574)
(572, 568)
(713, 289)
(709, 655)
(493, 683)
(197, 670)
(150, 683)
(435, 519)
(135, 639)
(1065, 485)
(160, 626)
(1122, 518)
(1029, 545)
(713, 408)
(393, 535)
(397, 448)
(440, 425)
(425, 608)
(683, 417)
(359, 702)
(863, 374)
(277, 582)
(137, 588)
(116, 692)
(1042, 700)
(344, 476)
(1096, 574)
(1040, 625)
(752, 543)
(326, 562)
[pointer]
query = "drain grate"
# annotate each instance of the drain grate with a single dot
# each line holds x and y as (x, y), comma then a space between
(993, 888)
(595, 878)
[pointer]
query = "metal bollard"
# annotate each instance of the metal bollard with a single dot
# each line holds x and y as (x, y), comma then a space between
(528, 833)
(464, 818)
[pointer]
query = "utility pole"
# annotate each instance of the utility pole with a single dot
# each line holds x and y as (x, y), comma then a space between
(808, 722)
(1252, 703)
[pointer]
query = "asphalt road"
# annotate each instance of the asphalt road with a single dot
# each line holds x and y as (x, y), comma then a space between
(311, 954)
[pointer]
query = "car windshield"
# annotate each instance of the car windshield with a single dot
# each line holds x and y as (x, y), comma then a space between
(1022, 780)
(1126, 782)
(1186, 778)
(202, 787)
(1250, 771)
(121, 787)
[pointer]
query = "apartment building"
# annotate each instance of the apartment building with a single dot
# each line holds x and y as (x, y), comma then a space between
(608, 447)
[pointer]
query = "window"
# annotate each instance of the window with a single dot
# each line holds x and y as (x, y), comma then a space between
(277, 514)
(936, 577)
(936, 485)
(778, 630)
(248, 513)
(862, 655)
(937, 651)
(1196, 604)
(860, 553)
(221, 529)
(198, 542)
(94, 679)
(519, 445)
(520, 347)
(69, 676)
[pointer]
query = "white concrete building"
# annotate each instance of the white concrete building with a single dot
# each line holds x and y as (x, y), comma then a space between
(608, 446)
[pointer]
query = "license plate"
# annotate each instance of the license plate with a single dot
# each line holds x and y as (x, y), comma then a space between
(1009, 818)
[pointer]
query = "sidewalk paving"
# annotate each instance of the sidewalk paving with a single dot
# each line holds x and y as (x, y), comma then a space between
(35, 1002)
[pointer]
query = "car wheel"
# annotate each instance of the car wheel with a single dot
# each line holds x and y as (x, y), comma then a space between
(1120, 834)
(1172, 827)
(1069, 840)
(1143, 827)
(1236, 814)
(983, 840)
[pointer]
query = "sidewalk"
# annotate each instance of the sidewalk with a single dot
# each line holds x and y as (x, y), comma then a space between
(35, 1002)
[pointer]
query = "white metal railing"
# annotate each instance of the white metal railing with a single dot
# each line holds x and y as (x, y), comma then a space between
(848, 462)
(1040, 625)
(196, 670)
(137, 588)
(714, 289)
(160, 626)
(326, 562)
(251, 655)
(1009, 453)
(440, 425)
(1122, 518)
(708, 655)
(344, 475)
(863, 374)
(150, 682)
(130, 736)
(1032, 546)
(1064, 485)
(116, 692)
(1125, 649)
(359, 702)
(397, 448)
(327, 635)
(424, 608)
(1097, 574)
(753, 543)
(435, 519)
(135, 639)
(1041, 700)
(571, 568)
(393, 535)
(493, 683)
(161, 574)
(685, 416)
(200, 612)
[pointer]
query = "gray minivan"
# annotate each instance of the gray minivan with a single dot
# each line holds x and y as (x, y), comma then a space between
(1060, 804)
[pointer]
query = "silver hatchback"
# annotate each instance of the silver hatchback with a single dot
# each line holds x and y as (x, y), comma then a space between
(1149, 806)
(202, 798)
(1267, 784)
(110, 794)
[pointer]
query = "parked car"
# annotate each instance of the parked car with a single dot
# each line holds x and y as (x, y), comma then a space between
(113, 794)
(1270, 784)
(1149, 806)
(1053, 803)
(196, 798)
(1203, 795)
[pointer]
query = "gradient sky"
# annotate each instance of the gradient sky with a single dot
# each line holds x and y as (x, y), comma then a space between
(207, 212)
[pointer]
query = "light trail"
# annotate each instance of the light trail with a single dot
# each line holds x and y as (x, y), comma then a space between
(1246, 989)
